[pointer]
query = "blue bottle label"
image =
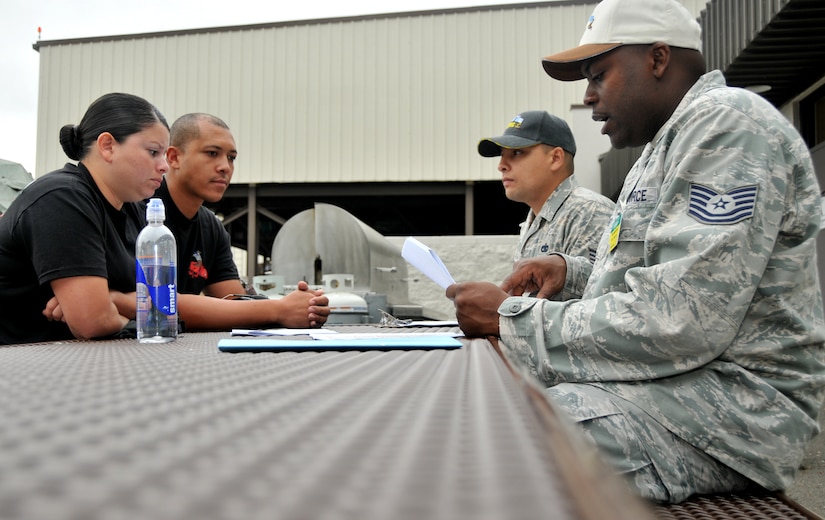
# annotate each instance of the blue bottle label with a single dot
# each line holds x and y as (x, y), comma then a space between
(162, 290)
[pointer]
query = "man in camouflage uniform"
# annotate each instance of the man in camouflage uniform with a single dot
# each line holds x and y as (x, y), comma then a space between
(536, 165)
(695, 358)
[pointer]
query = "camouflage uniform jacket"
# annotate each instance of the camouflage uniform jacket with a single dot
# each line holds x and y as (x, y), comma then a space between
(570, 223)
(708, 312)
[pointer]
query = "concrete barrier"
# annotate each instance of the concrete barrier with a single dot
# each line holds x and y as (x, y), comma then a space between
(487, 258)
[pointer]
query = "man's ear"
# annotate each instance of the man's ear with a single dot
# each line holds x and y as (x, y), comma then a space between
(660, 52)
(106, 146)
(173, 154)
(557, 154)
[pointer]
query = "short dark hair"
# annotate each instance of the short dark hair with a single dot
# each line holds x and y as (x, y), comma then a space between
(186, 128)
(117, 113)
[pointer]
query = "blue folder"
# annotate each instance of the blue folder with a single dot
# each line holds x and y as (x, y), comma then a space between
(391, 342)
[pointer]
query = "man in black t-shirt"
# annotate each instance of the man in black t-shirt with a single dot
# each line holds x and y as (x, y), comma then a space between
(204, 250)
(201, 163)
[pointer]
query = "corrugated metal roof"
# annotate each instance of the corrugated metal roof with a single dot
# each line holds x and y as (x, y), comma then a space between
(775, 43)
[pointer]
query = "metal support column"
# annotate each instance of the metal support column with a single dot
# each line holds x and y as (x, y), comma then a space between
(251, 234)
(469, 204)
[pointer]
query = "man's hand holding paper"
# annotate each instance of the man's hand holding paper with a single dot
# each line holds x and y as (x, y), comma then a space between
(427, 261)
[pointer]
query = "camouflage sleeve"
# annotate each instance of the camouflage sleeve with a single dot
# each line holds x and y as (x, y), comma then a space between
(673, 294)
(578, 271)
(588, 229)
(584, 232)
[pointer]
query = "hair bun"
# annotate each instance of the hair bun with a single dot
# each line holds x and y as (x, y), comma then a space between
(71, 141)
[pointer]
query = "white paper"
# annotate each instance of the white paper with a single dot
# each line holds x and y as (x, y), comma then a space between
(280, 332)
(433, 323)
(426, 260)
(380, 335)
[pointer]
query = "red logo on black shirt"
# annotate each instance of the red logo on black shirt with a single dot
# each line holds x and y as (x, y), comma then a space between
(196, 268)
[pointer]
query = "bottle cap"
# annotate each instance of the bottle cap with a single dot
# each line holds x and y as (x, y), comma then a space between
(155, 210)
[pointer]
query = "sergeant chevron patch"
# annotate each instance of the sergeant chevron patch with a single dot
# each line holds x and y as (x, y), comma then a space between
(709, 207)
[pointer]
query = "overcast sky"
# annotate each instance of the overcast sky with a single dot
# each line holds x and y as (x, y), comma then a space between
(61, 19)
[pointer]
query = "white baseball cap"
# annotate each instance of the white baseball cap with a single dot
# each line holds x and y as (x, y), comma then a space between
(627, 22)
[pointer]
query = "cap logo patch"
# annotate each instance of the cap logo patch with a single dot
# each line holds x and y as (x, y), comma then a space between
(590, 21)
(709, 207)
(516, 122)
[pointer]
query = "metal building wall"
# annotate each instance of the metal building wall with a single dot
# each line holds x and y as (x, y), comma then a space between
(731, 25)
(370, 99)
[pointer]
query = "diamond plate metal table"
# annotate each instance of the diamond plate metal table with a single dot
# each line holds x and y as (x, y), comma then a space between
(118, 430)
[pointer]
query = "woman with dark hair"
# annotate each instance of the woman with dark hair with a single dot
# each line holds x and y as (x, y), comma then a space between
(67, 241)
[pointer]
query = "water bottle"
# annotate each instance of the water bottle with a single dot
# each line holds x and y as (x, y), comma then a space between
(156, 272)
